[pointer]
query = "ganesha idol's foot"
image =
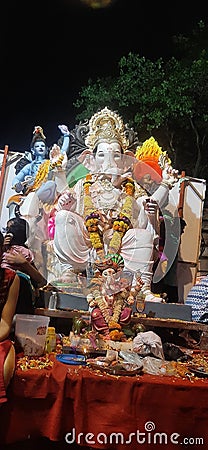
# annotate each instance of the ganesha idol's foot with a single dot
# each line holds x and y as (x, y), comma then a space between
(150, 297)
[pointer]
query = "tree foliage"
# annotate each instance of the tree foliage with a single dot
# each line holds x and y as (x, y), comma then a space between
(164, 99)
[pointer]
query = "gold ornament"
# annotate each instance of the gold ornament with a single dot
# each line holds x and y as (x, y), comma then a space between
(42, 173)
(106, 126)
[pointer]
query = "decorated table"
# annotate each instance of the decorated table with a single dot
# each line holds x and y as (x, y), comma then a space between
(104, 411)
(149, 322)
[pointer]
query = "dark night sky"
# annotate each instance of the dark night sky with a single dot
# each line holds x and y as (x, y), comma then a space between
(49, 49)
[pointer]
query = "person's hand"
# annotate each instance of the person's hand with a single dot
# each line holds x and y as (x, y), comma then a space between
(169, 175)
(7, 239)
(64, 129)
(14, 258)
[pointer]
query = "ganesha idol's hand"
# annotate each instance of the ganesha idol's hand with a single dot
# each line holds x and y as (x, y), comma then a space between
(66, 201)
(169, 176)
(150, 206)
(55, 152)
(58, 159)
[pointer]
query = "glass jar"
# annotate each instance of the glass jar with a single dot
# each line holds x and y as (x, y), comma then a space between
(52, 301)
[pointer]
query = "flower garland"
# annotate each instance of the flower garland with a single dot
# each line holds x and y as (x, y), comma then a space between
(43, 171)
(120, 225)
(123, 222)
(41, 176)
(92, 217)
(126, 296)
(111, 320)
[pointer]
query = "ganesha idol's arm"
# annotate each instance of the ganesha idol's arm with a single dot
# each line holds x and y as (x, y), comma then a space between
(161, 195)
(67, 201)
(169, 178)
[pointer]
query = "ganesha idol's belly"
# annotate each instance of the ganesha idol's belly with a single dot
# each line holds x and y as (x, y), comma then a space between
(106, 196)
(107, 201)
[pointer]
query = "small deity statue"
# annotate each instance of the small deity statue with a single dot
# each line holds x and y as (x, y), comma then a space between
(111, 297)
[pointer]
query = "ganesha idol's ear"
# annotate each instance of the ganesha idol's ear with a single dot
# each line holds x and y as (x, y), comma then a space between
(87, 159)
(129, 153)
(129, 160)
(86, 153)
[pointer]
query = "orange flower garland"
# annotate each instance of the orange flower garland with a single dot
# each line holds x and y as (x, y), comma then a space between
(111, 320)
(41, 176)
(120, 225)
(43, 171)
(91, 216)
(123, 222)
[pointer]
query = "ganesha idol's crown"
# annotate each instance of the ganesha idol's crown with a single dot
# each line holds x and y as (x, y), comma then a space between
(106, 126)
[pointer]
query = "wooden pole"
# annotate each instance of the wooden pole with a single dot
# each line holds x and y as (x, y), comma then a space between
(181, 196)
(3, 169)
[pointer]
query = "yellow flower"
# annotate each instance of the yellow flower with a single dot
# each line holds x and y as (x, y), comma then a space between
(120, 225)
(41, 176)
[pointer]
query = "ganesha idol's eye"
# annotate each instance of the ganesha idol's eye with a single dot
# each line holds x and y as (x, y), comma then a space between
(104, 274)
(108, 272)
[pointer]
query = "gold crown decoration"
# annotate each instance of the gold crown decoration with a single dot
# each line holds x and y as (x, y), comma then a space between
(106, 126)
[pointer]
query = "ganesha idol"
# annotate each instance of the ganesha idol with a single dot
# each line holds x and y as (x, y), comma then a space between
(108, 211)
(112, 296)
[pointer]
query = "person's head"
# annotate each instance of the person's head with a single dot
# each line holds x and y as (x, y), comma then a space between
(19, 229)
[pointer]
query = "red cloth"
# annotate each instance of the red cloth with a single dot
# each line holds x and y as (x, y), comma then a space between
(78, 400)
(7, 279)
(4, 349)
